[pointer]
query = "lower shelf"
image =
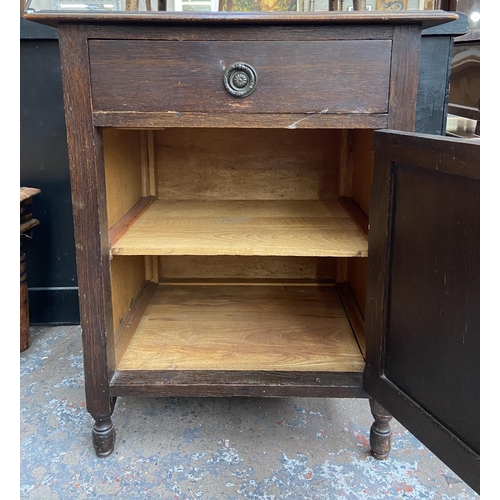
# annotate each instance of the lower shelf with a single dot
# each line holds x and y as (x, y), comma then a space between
(239, 328)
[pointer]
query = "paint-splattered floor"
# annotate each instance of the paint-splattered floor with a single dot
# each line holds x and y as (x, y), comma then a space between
(210, 449)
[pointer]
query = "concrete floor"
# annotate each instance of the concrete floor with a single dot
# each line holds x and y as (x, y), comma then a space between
(207, 448)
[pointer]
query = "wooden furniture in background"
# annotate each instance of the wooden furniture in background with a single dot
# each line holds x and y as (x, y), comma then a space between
(222, 240)
(28, 222)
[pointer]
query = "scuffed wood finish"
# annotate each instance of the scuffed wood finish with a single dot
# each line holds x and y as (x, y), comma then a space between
(274, 32)
(310, 77)
(426, 19)
(88, 191)
(266, 227)
(424, 256)
(380, 431)
(217, 383)
(262, 328)
(227, 384)
(247, 219)
(404, 78)
(131, 119)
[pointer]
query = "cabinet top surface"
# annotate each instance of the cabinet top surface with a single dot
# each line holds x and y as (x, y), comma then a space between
(425, 18)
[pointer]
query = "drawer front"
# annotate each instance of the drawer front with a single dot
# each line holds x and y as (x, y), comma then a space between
(349, 76)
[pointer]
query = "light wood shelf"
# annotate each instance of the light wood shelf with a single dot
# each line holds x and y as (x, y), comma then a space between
(246, 328)
(240, 227)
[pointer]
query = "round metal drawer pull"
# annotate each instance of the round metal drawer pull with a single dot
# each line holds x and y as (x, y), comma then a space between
(240, 79)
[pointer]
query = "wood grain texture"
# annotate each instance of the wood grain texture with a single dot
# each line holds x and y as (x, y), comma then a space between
(357, 280)
(244, 328)
(424, 18)
(178, 77)
(424, 237)
(123, 224)
(217, 383)
(200, 268)
(131, 119)
(128, 325)
(122, 161)
(448, 156)
(270, 228)
(362, 161)
(237, 164)
(88, 191)
(27, 192)
(298, 33)
(354, 314)
(127, 278)
(357, 215)
(361, 156)
(29, 224)
(404, 78)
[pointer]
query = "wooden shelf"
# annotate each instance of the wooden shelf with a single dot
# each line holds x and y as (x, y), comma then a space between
(246, 328)
(239, 227)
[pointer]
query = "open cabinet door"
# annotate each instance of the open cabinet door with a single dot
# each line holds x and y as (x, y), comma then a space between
(422, 306)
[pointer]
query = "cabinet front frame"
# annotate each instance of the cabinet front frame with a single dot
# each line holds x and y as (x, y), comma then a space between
(89, 190)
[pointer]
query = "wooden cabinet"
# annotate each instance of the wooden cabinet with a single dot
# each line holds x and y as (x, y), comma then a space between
(222, 240)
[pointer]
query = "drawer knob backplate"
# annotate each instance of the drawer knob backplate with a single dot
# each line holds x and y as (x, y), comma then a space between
(240, 79)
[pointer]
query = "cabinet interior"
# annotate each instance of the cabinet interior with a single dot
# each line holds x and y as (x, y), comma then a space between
(238, 249)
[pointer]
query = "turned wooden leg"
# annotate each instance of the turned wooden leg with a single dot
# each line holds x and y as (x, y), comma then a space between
(103, 437)
(380, 432)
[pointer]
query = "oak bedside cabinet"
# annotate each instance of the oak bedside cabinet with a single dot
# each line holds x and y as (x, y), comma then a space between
(221, 169)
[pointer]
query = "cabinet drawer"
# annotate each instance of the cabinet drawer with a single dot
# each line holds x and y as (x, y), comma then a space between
(350, 76)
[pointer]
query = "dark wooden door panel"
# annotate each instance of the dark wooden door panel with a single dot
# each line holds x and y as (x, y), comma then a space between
(350, 76)
(423, 292)
(434, 296)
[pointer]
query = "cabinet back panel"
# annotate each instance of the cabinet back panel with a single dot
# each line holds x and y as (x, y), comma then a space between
(247, 164)
(122, 162)
(231, 268)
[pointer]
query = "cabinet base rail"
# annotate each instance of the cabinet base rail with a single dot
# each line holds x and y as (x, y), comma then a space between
(184, 383)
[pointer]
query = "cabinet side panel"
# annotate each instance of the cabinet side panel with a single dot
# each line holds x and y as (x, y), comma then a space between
(127, 278)
(122, 160)
(247, 164)
(91, 226)
(361, 157)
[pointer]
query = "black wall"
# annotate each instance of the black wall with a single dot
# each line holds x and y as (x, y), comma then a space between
(50, 254)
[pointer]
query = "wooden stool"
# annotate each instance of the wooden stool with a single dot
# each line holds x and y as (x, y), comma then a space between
(27, 224)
